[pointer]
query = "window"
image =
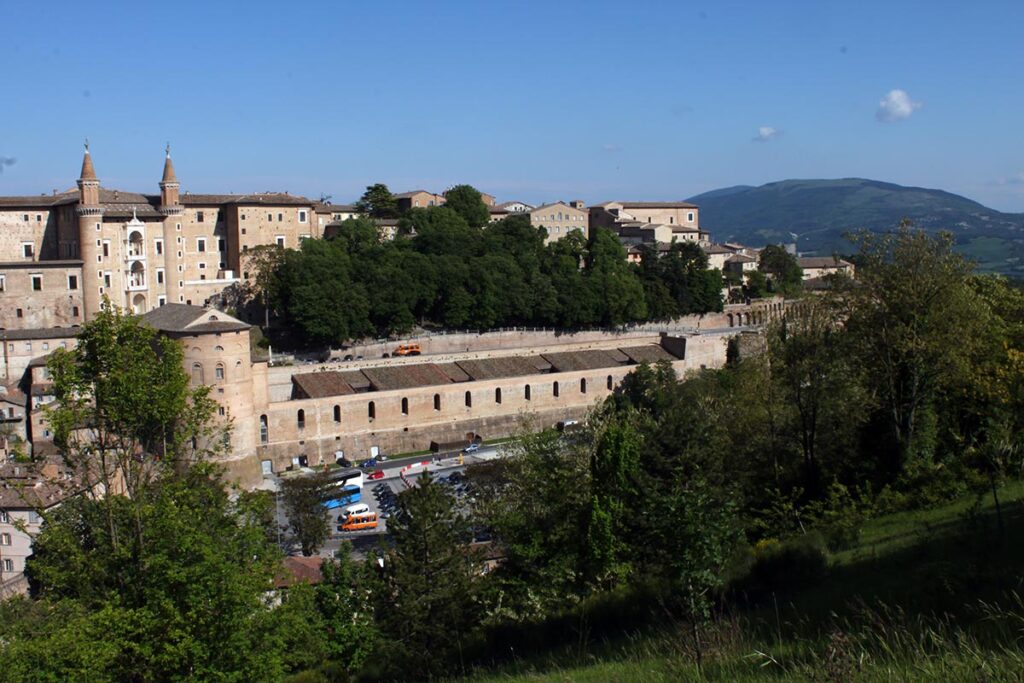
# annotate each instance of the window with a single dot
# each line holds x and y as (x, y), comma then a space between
(3, 282)
(280, 217)
(610, 383)
(583, 385)
(34, 517)
(46, 346)
(24, 217)
(39, 218)
(270, 217)
(337, 413)
(371, 411)
(74, 311)
(220, 411)
(497, 395)
(159, 276)
(222, 244)
(280, 241)
(199, 216)
(302, 216)
(158, 245)
(300, 418)
(405, 406)
(218, 372)
(202, 266)
(554, 389)
(197, 373)
(106, 279)
(4, 517)
(160, 301)
(27, 249)
(437, 401)
(37, 283)
(8, 565)
(689, 216)
(72, 282)
(106, 248)
(264, 431)
(20, 314)
(5, 539)
(469, 399)
(526, 392)
(201, 244)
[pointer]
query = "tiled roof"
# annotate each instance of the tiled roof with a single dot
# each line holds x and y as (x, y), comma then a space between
(454, 372)
(658, 205)
(386, 378)
(497, 368)
(265, 198)
(650, 353)
(822, 262)
(321, 384)
(37, 201)
(184, 318)
(299, 570)
(571, 361)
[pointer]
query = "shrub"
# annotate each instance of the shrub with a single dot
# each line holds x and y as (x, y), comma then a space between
(839, 517)
(792, 564)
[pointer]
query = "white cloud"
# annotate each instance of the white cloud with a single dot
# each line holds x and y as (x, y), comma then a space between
(766, 133)
(896, 106)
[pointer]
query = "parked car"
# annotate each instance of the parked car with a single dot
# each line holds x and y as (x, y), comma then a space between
(473, 447)
(376, 474)
(368, 464)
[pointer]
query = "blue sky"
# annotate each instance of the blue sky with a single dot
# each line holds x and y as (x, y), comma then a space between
(526, 100)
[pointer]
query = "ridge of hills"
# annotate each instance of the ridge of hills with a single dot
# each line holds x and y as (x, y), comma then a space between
(817, 213)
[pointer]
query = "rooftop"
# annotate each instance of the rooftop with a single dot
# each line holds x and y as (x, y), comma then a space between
(182, 318)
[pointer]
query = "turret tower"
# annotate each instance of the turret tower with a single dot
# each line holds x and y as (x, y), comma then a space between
(90, 220)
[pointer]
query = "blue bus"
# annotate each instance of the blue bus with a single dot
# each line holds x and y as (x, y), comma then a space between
(340, 497)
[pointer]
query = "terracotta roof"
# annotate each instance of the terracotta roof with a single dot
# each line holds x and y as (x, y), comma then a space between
(740, 258)
(822, 262)
(257, 198)
(182, 318)
(497, 368)
(37, 201)
(650, 353)
(718, 249)
(168, 170)
(299, 570)
(326, 383)
(391, 377)
(334, 208)
(454, 372)
(26, 486)
(657, 205)
(88, 172)
(570, 361)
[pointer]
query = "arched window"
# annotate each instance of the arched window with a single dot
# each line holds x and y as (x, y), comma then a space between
(337, 413)
(497, 395)
(437, 401)
(554, 389)
(264, 430)
(197, 373)
(405, 406)
(610, 383)
(218, 349)
(218, 372)
(371, 411)
(526, 392)
(300, 418)
(469, 399)
(583, 385)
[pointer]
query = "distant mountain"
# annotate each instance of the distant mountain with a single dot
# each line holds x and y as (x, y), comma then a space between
(816, 213)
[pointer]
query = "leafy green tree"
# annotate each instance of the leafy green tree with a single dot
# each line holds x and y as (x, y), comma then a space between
(442, 231)
(466, 201)
(377, 202)
(359, 235)
(427, 597)
(302, 497)
(127, 384)
(915, 323)
(782, 270)
(756, 285)
(183, 599)
(262, 263)
(612, 282)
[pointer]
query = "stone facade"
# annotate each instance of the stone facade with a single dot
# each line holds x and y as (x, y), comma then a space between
(559, 219)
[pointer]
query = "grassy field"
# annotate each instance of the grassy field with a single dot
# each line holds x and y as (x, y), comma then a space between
(930, 595)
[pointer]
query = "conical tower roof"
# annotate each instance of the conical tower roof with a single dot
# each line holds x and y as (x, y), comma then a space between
(88, 172)
(168, 168)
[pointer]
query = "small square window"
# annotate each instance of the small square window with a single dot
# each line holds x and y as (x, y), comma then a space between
(27, 249)
(199, 216)
(19, 313)
(74, 314)
(201, 245)
(37, 283)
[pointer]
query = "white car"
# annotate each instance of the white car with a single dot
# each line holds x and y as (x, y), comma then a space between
(357, 509)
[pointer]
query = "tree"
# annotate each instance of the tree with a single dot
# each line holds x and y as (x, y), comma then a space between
(783, 271)
(915, 323)
(466, 201)
(427, 597)
(262, 262)
(612, 282)
(124, 413)
(302, 497)
(377, 202)
(185, 599)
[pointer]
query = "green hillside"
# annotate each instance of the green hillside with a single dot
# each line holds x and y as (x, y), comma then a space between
(816, 214)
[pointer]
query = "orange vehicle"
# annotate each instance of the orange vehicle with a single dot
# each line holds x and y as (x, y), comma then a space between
(407, 350)
(366, 520)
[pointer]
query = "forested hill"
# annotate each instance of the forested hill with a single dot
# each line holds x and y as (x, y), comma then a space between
(819, 212)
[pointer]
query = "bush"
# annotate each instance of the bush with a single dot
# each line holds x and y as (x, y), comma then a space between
(788, 565)
(838, 517)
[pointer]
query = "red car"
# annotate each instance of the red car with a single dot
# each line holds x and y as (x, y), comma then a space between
(376, 474)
